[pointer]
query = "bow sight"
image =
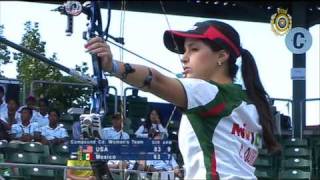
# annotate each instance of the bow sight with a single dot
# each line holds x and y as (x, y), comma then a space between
(75, 8)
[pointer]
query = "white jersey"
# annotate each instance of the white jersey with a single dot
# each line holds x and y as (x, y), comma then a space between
(53, 133)
(219, 133)
(19, 129)
(40, 119)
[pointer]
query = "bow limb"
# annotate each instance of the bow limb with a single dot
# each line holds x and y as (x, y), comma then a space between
(99, 96)
(95, 28)
(179, 56)
(169, 26)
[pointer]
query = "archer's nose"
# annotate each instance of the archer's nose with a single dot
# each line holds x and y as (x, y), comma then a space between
(184, 59)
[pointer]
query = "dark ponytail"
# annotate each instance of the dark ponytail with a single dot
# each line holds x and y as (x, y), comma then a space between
(255, 91)
(257, 94)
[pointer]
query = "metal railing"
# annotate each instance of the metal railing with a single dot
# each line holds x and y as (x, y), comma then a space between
(56, 82)
(303, 118)
(75, 84)
(125, 100)
(290, 101)
(140, 174)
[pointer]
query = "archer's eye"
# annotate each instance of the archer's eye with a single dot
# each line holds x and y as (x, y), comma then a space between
(194, 49)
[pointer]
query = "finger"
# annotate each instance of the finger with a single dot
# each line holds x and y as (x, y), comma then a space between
(93, 40)
(96, 46)
(107, 46)
(99, 50)
(102, 54)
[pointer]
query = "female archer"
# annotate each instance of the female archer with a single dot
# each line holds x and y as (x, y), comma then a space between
(223, 125)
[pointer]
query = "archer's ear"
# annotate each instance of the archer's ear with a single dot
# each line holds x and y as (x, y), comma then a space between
(223, 55)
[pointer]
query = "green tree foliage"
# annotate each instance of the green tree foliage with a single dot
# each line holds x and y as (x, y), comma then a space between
(4, 52)
(63, 97)
(30, 69)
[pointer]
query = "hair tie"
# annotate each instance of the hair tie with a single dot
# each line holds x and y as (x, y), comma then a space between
(242, 50)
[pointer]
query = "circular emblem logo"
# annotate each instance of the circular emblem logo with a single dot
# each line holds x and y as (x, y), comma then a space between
(281, 22)
(298, 40)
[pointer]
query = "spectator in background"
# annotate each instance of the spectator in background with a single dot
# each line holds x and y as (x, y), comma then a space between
(11, 116)
(76, 127)
(4, 130)
(31, 104)
(167, 168)
(115, 132)
(8, 118)
(165, 165)
(41, 117)
(76, 130)
(79, 174)
(25, 131)
(53, 133)
(3, 104)
(152, 126)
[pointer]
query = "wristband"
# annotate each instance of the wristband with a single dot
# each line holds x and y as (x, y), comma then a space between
(115, 68)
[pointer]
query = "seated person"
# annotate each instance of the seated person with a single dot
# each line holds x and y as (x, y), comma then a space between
(115, 132)
(41, 117)
(7, 118)
(76, 126)
(152, 125)
(53, 133)
(3, 104)
(31, 104)
(79, 174)
(164, 165)
(161, 165)
(4, 127)
(166, 168)
(76, 130)
(25, 131)
(11, 116)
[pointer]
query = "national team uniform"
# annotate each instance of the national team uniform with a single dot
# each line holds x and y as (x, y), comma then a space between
(111, 133)
(40, 119)
(219, 133)
(19, 129)
(53, 133)
(4, 117)
(3, 107)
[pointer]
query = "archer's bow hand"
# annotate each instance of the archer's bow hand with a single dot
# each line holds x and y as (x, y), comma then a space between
(99, 47)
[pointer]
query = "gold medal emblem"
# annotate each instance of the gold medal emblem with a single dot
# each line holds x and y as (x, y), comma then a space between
(281, 22)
